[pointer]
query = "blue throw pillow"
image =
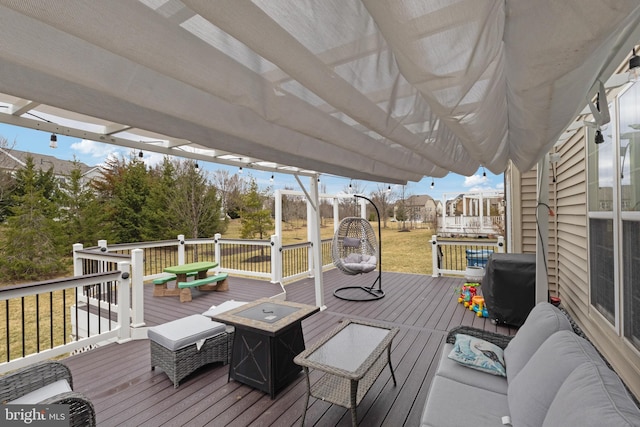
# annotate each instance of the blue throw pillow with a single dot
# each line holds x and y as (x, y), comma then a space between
(478, 354)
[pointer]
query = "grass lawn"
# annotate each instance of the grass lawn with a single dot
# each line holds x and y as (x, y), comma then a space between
(402, 251)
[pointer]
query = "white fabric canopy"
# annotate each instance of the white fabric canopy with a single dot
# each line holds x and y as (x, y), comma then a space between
(388, 91)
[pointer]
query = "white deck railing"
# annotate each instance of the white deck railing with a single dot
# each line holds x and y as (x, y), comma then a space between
(104, 275)
(42, 311)
(453, 257)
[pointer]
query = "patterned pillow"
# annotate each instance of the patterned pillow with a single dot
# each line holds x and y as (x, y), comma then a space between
(478, 354)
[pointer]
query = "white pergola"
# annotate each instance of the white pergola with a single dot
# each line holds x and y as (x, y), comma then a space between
(387, 91)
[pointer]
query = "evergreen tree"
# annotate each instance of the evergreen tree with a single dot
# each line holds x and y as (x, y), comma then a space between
(30, 248)
(130, 217)
(121, 196)
(162, 224)
(77, 216)
(256, 220)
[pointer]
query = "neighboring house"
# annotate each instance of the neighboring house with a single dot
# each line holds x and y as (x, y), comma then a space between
(12, 160)
(419, 209)
(472, 214)
(416, 207)
(593, 259)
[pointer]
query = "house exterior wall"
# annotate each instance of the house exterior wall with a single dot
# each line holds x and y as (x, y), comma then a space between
(568, 252)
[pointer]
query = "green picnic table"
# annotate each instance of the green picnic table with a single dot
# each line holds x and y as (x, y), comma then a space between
(183, 288)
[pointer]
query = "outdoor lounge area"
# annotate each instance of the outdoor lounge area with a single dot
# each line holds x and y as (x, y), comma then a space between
(544, 93)
(118, 379)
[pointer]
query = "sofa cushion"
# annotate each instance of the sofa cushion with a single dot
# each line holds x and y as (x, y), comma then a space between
(453, 370)
(592, 395)
(530, 394)
(453, 404)
(478, 354)
(542, 322)
(43, 393)
(180, 333)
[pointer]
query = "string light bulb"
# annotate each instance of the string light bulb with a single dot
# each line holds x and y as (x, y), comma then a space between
(140, 154)
(53, 141)
(433, 184)
(240, 170)
(271, 179)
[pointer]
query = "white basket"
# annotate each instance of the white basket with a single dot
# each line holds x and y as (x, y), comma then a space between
(474, 274)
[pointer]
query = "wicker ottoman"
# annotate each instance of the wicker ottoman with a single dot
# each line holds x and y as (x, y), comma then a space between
(181, 346)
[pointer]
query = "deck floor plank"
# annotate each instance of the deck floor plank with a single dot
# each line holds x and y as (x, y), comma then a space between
(126, 392)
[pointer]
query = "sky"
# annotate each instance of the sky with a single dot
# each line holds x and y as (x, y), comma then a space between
(94, 153)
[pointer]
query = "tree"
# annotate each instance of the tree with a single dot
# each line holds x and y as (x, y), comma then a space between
(401, 213)
(350, 206)
(382, 199)
(194, 204)
(7, 180)
(79, 221)
(231, 188)
(30, 247)
(255, 219)
(162, 224)
(294, 208)
(122, 192)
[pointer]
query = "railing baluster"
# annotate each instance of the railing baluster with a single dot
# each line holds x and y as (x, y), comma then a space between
(51, 319)
(8, 328)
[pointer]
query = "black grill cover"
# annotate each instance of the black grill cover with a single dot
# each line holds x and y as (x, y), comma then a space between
(509, 287)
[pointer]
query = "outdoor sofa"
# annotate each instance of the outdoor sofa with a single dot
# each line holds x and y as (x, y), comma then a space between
(554, 377)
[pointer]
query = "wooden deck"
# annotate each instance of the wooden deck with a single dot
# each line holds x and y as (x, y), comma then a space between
(126, 392)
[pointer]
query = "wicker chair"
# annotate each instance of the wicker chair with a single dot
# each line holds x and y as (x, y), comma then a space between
(32, 378)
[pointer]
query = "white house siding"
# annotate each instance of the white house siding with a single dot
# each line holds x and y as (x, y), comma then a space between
(571, 245)
(528, 201)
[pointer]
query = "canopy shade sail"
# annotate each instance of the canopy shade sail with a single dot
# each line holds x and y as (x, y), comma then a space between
(366, 89)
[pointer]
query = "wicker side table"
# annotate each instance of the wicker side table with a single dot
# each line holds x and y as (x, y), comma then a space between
(184, 345)
(352, 357)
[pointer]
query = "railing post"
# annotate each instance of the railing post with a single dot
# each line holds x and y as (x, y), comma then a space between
(124, 332)
(137, 288)
(434, 256)
(102, 244)
(217, 251)
(181, 249)
(77, 261)
(311, 238)
(276, 259)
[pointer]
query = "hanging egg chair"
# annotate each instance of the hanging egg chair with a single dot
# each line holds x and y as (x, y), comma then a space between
(356, 250)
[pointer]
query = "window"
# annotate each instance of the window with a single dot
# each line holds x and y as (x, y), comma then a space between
(601, 177)
(629, 151)
(613, 175)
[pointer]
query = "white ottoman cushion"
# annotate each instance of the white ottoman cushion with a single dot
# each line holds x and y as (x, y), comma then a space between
(180, 333)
